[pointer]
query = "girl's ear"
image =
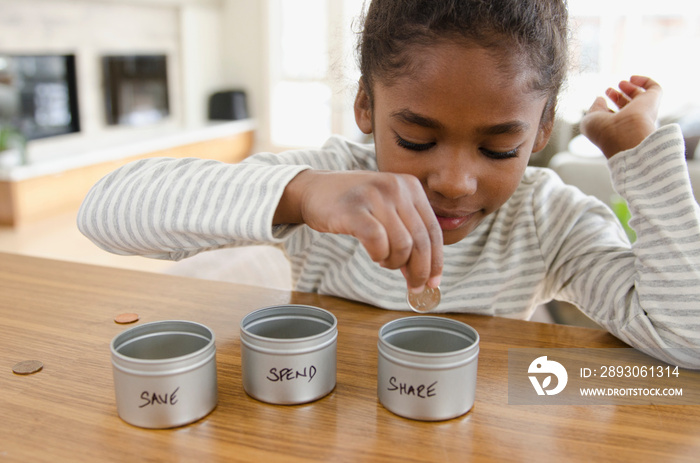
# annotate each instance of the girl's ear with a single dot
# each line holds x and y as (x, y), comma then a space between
(543, 134)
(545, 130)
(363, 109)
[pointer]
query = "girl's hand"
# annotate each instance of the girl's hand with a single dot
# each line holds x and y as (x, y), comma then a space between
(638, 103)
(388, 213)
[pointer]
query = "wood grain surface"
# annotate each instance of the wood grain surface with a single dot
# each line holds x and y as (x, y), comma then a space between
(62, 314)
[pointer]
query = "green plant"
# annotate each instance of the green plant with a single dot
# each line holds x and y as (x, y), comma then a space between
(5, 134)
(11, 138)
(619, 207)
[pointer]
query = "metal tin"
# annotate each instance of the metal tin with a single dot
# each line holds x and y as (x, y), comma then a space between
(164, 373)
(288, 353)
(427, 367)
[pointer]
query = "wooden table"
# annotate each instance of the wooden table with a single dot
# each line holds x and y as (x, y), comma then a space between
(62, 314)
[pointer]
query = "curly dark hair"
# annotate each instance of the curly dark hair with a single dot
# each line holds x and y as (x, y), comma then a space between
(535, 30)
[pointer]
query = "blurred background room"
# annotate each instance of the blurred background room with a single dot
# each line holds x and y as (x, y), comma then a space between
(88, 85)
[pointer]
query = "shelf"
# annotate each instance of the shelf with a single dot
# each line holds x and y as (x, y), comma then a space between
(37, 191)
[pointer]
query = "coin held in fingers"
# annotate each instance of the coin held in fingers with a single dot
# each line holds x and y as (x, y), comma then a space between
(425, 301)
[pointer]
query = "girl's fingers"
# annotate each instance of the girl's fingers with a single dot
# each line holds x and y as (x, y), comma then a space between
(435, 242)
(415, 244)
(389, 214)
(418, 265)
(619, 99)
(424, 263)
(599, 104)
(401, 239)
(630, 90)
(638, 85)
(644, 82)
(372, 233)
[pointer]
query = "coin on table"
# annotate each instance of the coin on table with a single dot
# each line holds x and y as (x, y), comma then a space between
(27, 367)
(125, 318)
(425, 301)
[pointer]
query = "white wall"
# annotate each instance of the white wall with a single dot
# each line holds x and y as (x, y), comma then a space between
(201, 46)
(245, 58)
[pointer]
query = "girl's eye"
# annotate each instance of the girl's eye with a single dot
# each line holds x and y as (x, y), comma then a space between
(426, 146)
(413, 146)
(500, 154)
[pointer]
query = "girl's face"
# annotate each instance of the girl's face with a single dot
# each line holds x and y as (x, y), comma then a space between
(462, 125)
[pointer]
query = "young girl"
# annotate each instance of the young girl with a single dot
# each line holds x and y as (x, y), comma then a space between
(457, 95)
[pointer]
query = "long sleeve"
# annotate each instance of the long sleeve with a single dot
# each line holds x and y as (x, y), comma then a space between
(172, 209)
(549, 241)
(646, 295)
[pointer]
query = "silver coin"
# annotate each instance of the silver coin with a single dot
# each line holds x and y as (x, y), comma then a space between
(425, 301)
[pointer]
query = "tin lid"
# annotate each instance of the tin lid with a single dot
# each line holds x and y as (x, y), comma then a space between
(428, 341)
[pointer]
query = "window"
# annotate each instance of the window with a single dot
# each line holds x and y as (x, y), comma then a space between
(313, 75)
(613, 40)
(313, 70)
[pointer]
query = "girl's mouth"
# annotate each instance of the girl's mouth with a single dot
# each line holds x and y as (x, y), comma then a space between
(452, 223)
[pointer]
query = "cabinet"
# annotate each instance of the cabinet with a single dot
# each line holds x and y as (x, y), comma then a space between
(34, 192)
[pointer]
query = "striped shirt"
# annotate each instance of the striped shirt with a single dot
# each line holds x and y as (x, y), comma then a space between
(548, 241)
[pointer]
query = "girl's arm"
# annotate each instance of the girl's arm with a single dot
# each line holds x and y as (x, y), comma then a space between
(647, 295)
(175, 208)
(388, 213)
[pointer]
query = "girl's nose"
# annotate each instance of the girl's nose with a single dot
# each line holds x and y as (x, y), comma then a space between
(454, 177)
